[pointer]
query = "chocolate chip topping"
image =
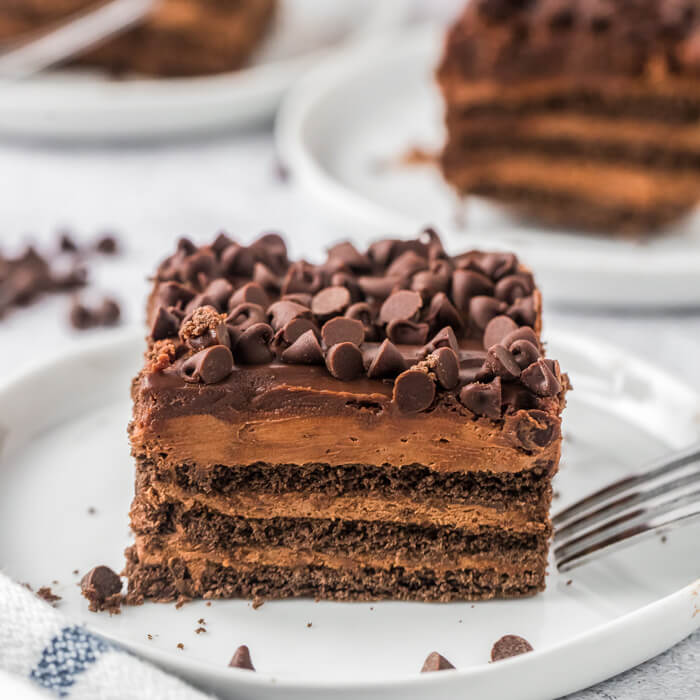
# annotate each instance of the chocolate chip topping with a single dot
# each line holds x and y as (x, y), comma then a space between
(483, 399)
(467, 284)
(482, 309)
(251, 293)
(444, 338)
(241, 659)
(208, 366)
(435, 662)
(414, 391)
(282, 312)
(509, 645)
(165, 324)
(445, 363)
(331, 301)
(402, 305)
(305, 350)
(497, 329)
(540, 379)
(524, 352)
(245, 315)
(500, 362)
(101, 586)
(387, 362)
(407, 332)
(344, 361)
(341, 330)
(253, 345)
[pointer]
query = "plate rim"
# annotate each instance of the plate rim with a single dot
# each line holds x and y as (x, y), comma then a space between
(514, 670)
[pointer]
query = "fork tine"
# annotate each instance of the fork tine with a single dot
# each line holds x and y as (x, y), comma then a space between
(624, 539)
(660, 467)
(627, 522)
(619, 505)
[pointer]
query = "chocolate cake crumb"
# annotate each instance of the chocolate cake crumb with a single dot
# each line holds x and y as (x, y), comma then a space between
(199, 630)
(241, 659)
(180, 645)
(76, 572)
(27, 586)
(102, 587)
(308, 624)
(149, 636)
(258, 603)
(435, 662)
(509, 645)
(208, 603)
(45, 593)
(569, 582)
(201, 621)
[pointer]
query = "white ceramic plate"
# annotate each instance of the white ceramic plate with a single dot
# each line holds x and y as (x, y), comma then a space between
(74, 105)
(344, 128)
(64, 451)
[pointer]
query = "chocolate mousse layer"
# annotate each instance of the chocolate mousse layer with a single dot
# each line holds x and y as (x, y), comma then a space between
(382, 425)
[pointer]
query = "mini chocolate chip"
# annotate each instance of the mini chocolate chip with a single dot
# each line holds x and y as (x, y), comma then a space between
(302, 277)
(540, 379)
(500, 363)
(483, 399)
(108, 313)
(238, 261)
(350, 257)
(246, 315)
(219, 290)
(414, 391)
(296, 328)
(165, 324)
(99, 585)
(509, 645)
(497, 265)
(522, 311)
(81, 318)
(252, 293)
(107, 244)
(305, 350)
(331, 301)
(513, 287)
(282, 312)
(407, 332)
(523, 333)
(406, 265)
(174, 294)
(427, 284)
(341, 330)
(344, 361)
(208, 366)
(435, 662)
(497, 329)
(378, 288)
(443, 338)
(467, 284)
(252, 348)
(266, 278)
(241, 659)
(482, 309)
(445, 363)
(442, 312)
(524, 352)
(403, 305)
(387, 362)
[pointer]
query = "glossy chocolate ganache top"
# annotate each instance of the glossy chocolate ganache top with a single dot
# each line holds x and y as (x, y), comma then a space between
(402, 326)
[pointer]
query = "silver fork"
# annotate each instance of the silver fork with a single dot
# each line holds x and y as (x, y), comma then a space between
(72, 36)
(664, 497)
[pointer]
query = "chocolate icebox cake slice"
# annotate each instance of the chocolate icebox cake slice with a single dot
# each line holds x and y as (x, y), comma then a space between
(576, 113)
(382, 425)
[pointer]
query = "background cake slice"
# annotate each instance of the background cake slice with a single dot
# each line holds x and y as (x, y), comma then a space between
(382, 425)
(575, 112)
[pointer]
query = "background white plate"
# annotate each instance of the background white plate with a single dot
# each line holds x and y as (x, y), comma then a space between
(64, 450)
(344, 128)
(72, 105)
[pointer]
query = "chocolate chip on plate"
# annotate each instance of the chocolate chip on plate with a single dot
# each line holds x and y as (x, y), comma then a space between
(435, 662)
(241, 659)
(101, 586)
(509, 645)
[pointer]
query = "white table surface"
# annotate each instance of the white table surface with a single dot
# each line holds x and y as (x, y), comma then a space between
(151, 195)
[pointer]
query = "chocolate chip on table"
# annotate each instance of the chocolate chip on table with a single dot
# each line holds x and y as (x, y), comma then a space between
(387, 362)
(208, 366)
(341, 330)
(414, 391)
(344, 361)
(331, 301)
(253, 346)
(509, 645)
(102, 587)
(483, 399)
(497, 329)
(241, 659)
(403, 305)
(81, 318)
(107, 244)
(305, 350)
(108, 313)
(435, 662)
(404, 332)
(66, 244)
(540, 379)
(445, 363)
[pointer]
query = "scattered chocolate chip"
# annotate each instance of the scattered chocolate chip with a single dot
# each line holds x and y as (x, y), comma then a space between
(524, 352)
(497, 265)
(428, 284)
(497, 329)
(387, 362)
(404, 332)
(522, 311)
(299, 298)
(500, 362)
(200, 630)
(414, 391)
(174, 294)
(305, 350)
(378, 288)
(200, 265)
(342, 330)
(266, 278)
(331, 301)
(467, 284)
(435, 662)
(302, 277)
(483, 309)
(282, 312)
(108, 313)
(344, 361)
(445, 363)
(107, 244)
(45, 593)
(272, 248)
(245, 315)
(513, 287)
(483, 399)
(66, 243)
(221, 242)
(403, 305)
(442, 312)
(406, 265)
(237, 261)
(509, 645)
(522, 333)
(81, 318)
(208, 366)
(250, 293)
(102, 587)
(180, 646)
(540, 379)
(296, 328)
(219, 290)
(350, 257)
(241, 659)
(252, 348)
(444, 338)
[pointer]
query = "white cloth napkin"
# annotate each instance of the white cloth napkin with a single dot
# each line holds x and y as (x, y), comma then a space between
(43, 646)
